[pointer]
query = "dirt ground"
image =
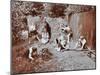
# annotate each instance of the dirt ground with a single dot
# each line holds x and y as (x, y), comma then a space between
(57, 61)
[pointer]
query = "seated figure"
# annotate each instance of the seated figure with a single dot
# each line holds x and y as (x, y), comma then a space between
(81, 44)
(44, 34)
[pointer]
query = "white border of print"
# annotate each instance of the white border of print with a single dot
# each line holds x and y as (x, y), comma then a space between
(5, 36)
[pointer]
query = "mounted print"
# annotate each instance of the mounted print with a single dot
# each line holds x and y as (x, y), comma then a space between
(52, 37)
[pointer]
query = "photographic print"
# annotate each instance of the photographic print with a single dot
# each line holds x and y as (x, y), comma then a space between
(52, 37)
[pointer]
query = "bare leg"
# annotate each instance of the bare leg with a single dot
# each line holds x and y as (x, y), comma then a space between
(30, 52)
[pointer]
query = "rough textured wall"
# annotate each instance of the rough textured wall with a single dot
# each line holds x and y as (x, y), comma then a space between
(74, 21)
(84, 23)
(87, 27)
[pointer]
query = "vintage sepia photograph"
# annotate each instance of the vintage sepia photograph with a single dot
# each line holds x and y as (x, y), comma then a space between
(52, 37)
